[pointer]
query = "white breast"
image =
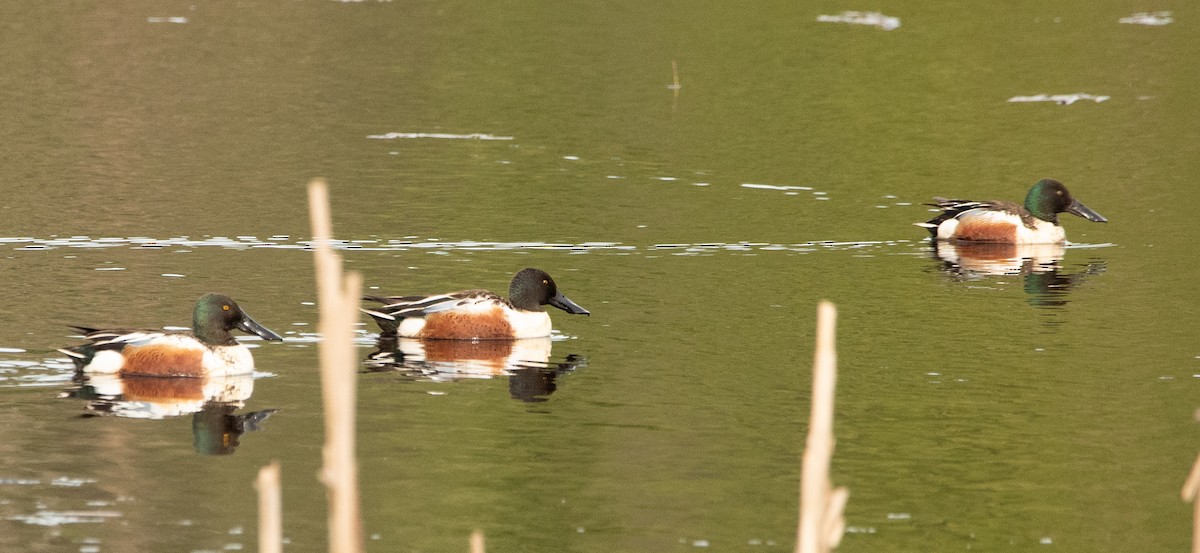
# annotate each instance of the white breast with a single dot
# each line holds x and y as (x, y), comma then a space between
(529, 324)
(228, 360)
(1044, 232)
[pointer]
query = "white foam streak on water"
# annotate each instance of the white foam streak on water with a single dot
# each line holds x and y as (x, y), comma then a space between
(435, 246)
(64, 481)
(58, 518)
(1073, 246)
(362, 337)
(774, 187)
(1060, 99)
(24, 373)
(439, 135)
(873, 19)
(1153, 19)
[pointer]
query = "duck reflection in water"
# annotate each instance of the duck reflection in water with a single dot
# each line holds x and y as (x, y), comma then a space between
(212, 402)
(1047, 281)
(531, 375)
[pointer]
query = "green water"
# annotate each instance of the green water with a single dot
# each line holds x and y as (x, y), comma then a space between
(974, 412)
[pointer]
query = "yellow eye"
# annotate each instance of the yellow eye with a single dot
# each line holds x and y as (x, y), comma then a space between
(544, 281)
(225, 307)
(1059, 192)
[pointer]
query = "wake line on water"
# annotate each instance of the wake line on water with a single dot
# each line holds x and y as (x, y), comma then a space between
(438, 135)
(417, 244)
(437, 246)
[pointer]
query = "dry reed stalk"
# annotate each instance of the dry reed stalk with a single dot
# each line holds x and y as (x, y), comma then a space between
(821, 524)
(270, 509)
(337, 301)
(1196, 527)
(477, 542)
(1190, 487)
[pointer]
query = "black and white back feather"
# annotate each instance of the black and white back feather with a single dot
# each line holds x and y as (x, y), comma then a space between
(952, 209)
(397, 308)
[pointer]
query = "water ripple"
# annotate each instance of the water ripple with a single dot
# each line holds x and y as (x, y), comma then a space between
(1153, 19)
(413, 243)
(59, 518)
(23, 373)
(441, 135)
(1061, 99)
(873, 19)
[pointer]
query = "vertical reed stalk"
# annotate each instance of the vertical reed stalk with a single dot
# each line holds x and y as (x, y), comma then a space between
(1196, 527)
(821, 523)
(337, 300)
(1190, 487)
(270, 509)
(477, 542)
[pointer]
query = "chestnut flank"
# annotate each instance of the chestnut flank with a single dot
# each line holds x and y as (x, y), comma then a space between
(163, 361)
(488, 325)
(982, 230)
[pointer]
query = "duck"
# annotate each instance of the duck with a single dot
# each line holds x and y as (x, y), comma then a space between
(475, 314)
(208, 350)
(1004, 222)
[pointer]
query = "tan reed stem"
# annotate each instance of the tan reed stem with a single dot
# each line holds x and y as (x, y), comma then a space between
(1196, 527)
(1190, 487)
(270, 509)
(477, 542)
(1192, 484)
(337, 300)
(821, 524)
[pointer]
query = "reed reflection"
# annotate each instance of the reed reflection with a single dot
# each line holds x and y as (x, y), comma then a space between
(213, 403)
(1047, 280)
(532, 376)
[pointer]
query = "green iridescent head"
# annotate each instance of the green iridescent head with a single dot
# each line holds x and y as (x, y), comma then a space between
(217, 314)
(1049, 197)
(532, 288)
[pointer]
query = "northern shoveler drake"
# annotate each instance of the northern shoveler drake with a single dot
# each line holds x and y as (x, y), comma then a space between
(1006, 222)
(476, 314)
(208, 350)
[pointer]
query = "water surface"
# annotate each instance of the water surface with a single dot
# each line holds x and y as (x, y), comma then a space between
(156, 151)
